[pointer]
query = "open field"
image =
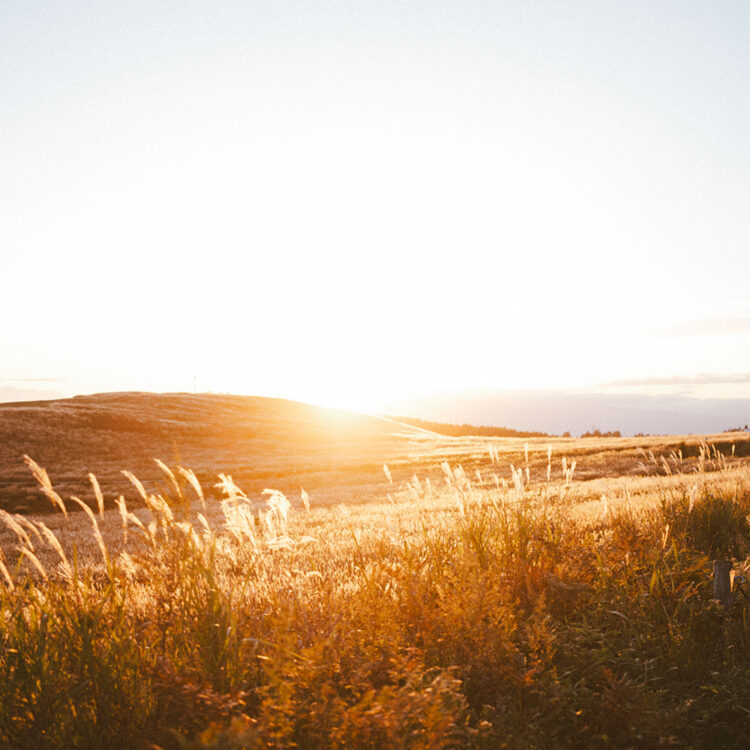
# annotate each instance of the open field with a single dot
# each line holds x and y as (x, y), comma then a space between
(336, 456)
(472, 593)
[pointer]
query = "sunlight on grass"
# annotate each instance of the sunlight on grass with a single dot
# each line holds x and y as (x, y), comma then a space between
(468, 610)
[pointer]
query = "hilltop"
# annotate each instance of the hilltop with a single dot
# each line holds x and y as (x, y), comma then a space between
(259, 441)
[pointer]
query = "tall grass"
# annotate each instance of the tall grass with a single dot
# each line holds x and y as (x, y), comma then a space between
(465, 612)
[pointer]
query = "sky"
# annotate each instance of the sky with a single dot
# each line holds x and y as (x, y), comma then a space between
(348, 202)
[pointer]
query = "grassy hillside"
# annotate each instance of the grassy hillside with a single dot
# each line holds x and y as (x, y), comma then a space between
(256, 440)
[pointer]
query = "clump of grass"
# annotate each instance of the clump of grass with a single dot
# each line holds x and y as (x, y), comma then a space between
(712, 520)
(716, 526)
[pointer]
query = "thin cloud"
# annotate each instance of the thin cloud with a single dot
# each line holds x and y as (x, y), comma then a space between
(32, 380)
(729, 326)
(703, 378)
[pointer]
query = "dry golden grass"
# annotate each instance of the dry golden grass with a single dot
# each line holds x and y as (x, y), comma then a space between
(484, 593)
(587, 477)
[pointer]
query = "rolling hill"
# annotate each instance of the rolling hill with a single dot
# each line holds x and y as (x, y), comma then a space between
(261, 442)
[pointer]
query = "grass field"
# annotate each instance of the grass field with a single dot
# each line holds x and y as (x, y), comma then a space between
(423, 592)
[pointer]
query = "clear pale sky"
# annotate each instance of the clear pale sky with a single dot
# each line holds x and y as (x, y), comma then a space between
(346, 201)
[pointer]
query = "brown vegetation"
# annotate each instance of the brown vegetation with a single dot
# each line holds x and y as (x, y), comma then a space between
(509, 594)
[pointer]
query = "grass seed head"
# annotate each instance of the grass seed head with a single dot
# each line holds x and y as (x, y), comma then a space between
(97, 493)
(45, 484)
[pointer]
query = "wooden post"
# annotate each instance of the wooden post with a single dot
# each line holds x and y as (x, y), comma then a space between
(722, 582)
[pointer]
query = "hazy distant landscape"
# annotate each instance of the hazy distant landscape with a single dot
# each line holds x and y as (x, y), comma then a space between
(558, 411)
(337, 456)
(552, 411)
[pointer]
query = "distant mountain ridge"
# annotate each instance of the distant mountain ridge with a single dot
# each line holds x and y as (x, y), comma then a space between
(557, 412)
(459, 430)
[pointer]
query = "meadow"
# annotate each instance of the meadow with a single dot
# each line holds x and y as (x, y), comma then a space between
(481, 593)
